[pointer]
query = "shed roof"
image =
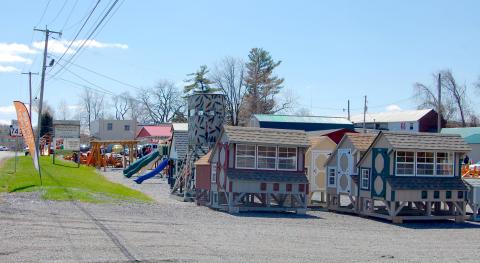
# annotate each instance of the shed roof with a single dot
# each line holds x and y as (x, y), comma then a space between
(426, 183)
(301, 119)
(155, 131)
(238, 134)
(361, 141)
(469, 134)
(392, 116)
(267, 176)
(204, 159)
(426, 141)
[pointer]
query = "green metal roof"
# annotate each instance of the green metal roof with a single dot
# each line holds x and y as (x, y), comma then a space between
(470, 134)
(301, 119)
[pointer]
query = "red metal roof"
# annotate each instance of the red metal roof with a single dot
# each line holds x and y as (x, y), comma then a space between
(155, 131)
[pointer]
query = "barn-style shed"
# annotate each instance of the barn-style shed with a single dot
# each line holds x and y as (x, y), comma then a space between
(257, 169)
(413, 176)
(341, 171)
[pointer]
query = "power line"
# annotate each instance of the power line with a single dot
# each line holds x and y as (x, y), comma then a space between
(59, 12)
(69, 15)
(43, 13)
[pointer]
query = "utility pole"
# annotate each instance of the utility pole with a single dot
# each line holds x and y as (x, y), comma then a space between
(42, 86)
(439, 104)
(348, 110)
(30, 92)
(364, 114)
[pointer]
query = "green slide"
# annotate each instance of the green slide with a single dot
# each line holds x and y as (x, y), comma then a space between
(138, 164)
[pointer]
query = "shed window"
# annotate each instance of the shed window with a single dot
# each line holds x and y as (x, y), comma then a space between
(287, 158)
(405, 163)
(109, 126)
(245, 156)
(365, 178)
(444, 164)
(331, 176)
(425, 163)
(214, 173)
(126, 127)
(266, 157)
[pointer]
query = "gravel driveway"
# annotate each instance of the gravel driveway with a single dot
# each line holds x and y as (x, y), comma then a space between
(34, 230)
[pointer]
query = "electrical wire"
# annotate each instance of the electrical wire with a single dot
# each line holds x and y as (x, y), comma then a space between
(43, 13)
(69, 15)
(59, 12)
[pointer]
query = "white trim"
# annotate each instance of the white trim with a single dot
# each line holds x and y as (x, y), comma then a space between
(334, 176)
(415, 163)
(278, 158)
(362, 179)
(254, 157)
(213, 172)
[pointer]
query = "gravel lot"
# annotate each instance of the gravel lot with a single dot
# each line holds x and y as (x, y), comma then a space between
(34, 230)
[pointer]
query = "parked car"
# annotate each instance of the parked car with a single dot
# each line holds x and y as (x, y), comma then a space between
(3, 148)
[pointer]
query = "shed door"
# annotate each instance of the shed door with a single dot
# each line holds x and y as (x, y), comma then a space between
(380, 171)
(317, 179)
(344, 169)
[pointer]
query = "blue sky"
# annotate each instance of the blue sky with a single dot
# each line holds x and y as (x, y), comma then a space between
(332, 51)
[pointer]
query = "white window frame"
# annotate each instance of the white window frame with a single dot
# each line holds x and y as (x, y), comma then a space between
(278, 159)
(254, 159)
(417, 163)
(213, 173)
(414, 163)
(258, 157)
(334, 169)
(452, 165)
(415, 170)
(363, 178)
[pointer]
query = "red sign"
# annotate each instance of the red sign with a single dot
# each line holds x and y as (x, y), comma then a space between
(27, 130)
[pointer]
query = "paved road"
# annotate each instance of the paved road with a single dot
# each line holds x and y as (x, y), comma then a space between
(6, 155)
(35, 230)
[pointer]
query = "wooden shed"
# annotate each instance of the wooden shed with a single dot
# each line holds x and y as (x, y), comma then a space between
(340, 170)
(203, 179)
(258, 169)
(413, 176)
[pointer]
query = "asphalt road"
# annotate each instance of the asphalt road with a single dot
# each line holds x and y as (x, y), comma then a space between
(6, 155)
(35, 230)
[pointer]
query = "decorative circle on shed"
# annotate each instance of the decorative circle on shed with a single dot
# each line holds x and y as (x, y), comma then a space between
(222, 156)
(344, 162)
(321, 159)
(320, 179)
(344, 182)
(379, 163)
(378, 185)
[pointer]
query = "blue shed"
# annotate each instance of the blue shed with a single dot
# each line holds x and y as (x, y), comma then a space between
(305, 123)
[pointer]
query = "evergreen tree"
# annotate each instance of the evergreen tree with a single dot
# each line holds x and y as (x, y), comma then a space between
(199, 81)
(47, 123)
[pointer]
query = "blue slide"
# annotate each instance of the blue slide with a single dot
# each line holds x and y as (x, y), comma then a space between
(152, 173)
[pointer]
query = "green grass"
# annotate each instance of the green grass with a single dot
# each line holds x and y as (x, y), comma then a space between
(64, 181)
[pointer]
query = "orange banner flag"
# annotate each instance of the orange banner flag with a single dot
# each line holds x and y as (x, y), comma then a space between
(26, 127)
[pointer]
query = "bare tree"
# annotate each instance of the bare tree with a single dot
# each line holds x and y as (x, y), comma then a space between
(162, 102)
(63, 112)
(427, 98)
(457, 93)
(122, 105)
(93, 104)
(229, 76)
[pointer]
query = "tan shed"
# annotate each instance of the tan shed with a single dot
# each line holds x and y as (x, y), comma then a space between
(316, 156)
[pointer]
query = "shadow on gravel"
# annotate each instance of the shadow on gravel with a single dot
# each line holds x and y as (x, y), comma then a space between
(435, 224)
(275, 215)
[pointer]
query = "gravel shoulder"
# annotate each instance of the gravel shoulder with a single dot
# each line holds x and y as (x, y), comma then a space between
(35, 230)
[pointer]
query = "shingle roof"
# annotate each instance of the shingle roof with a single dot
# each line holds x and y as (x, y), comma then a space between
(301, 119)
(267, 176)
(238, 134)
(470, 134)
(204, 159)
(361, 141)
(180, 138)
(155, 131)
(426, 183)
(426, 141)
(391, 116)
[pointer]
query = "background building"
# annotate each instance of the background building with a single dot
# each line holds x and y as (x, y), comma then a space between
(409, 120)
(113, 129)
(471, 135)
(304, 123)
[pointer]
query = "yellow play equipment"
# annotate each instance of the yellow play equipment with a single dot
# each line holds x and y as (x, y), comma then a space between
(470, 173)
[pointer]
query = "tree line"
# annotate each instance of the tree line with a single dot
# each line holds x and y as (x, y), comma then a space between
(250, 87)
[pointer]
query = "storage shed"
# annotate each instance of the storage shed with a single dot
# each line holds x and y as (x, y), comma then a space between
(341, 172)
(202, 181)
(303, 123)
(256, 169)
(413, 176)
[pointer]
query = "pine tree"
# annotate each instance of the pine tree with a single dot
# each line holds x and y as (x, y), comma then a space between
(199, 81)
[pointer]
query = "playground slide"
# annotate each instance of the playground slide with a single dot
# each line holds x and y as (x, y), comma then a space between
(138, 164)
(152, 173)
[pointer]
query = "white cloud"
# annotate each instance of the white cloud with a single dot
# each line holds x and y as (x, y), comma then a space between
(393, 107)
(8, 69)
(7, 109)
(60, 46)
(5, 122)
(12, 58)
(73, 107)
(13, 48)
